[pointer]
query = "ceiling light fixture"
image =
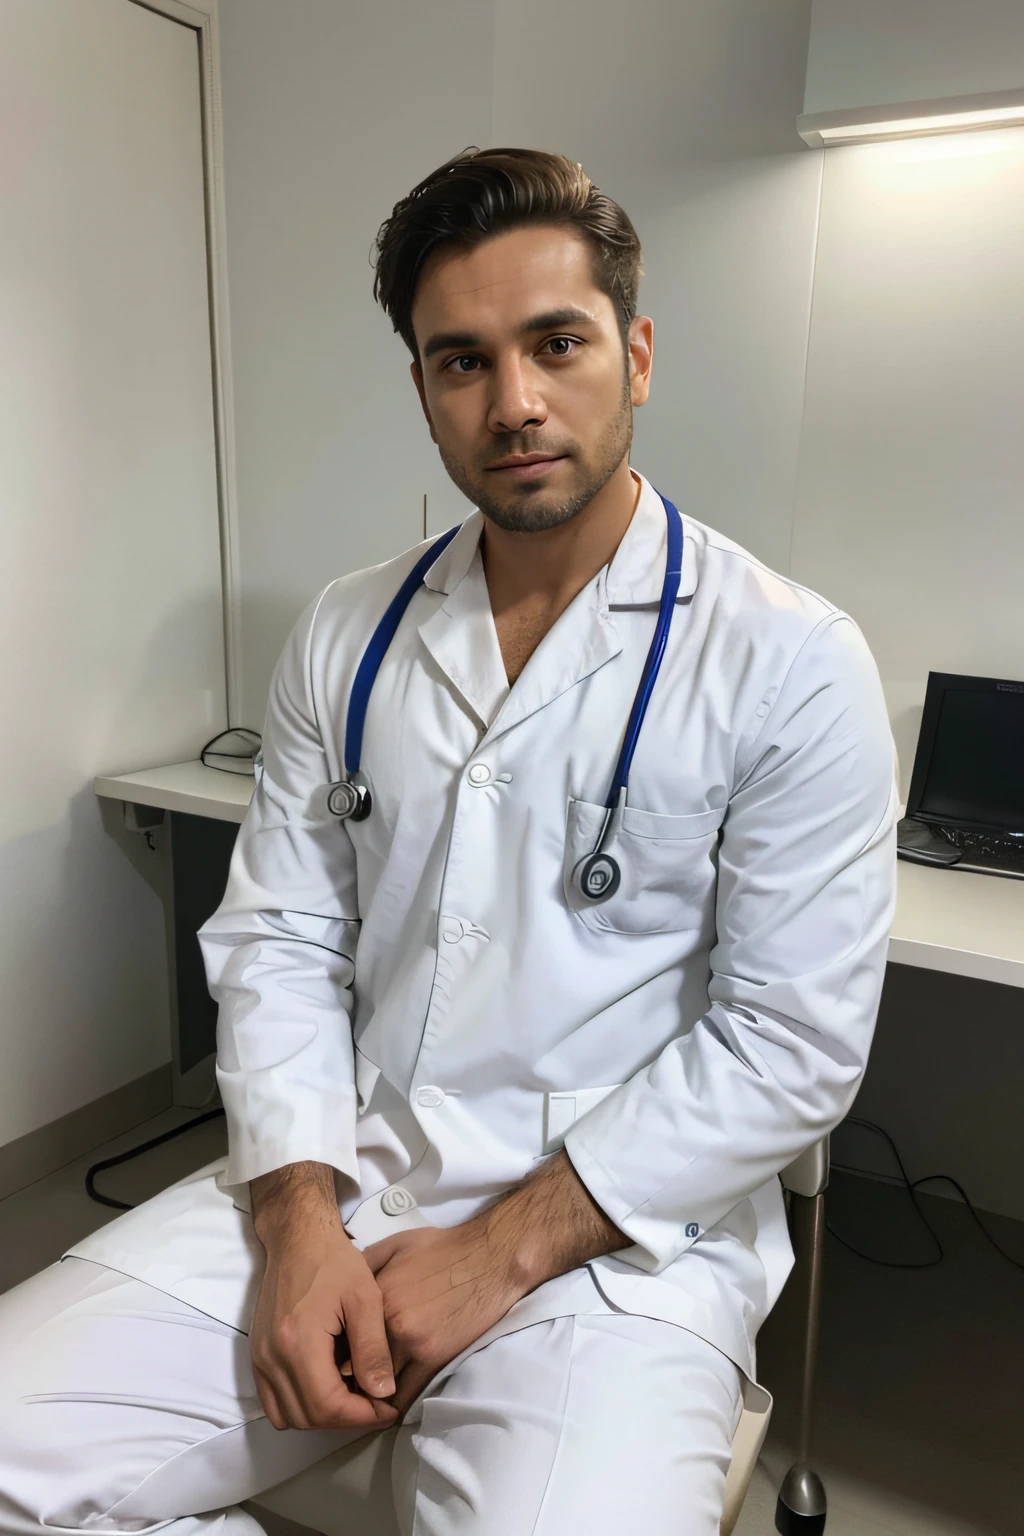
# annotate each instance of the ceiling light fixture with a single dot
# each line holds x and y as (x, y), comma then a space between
(912, 119)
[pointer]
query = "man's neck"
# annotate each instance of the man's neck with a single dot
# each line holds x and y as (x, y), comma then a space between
(533, 577)
(553, 565)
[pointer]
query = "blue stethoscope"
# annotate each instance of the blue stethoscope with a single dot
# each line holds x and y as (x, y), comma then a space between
(597, 876)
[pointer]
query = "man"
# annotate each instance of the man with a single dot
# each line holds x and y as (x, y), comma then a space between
(511, 1141)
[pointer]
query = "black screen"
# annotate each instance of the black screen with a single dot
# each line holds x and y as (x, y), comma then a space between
(976, 773)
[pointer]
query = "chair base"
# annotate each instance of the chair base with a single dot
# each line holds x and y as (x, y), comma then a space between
(802, 1506)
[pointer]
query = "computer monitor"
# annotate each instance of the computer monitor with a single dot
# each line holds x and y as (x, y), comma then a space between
(969, 768)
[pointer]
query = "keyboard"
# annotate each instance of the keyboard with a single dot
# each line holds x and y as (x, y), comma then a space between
(982, 853)
(988, 853)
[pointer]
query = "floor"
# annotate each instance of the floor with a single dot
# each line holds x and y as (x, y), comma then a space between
(920, 1421)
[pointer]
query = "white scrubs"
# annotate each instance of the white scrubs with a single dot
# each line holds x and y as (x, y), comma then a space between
(421, 1000)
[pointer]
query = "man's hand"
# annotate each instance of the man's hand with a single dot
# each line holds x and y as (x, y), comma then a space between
(316, 1286)
(442, 1288)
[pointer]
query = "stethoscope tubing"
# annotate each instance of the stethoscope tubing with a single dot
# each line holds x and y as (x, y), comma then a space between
(380, 640)
(652, 666)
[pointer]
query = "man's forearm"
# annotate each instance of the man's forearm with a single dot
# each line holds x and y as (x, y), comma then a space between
(548, 1225)
(303, 1191)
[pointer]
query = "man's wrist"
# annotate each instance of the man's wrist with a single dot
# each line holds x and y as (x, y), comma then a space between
(548, 1225)
(300, 1194)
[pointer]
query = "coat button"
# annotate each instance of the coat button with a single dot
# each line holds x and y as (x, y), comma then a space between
(430, 1097)
(395, 1202)
(479, 774)
(453, 931)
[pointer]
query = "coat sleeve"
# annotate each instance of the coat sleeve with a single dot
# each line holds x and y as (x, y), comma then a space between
(806, 892)
(280, 952)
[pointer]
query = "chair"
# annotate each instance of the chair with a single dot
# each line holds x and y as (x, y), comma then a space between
(802, 1506)
(349, 1493)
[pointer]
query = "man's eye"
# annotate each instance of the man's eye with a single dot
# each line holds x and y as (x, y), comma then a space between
(467, 363)
(561, 346)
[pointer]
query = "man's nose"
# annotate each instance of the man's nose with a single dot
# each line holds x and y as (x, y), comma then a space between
(516, 399)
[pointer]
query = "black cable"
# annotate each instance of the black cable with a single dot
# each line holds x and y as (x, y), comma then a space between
(911, 1186)
(124, 1157)
(239, 757)
(947, 1178)
(869, 1125)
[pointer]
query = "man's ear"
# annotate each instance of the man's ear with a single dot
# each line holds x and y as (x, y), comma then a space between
(417, 378)
(641, 358)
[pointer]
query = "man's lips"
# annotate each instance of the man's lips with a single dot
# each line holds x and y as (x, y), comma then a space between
(526, 466)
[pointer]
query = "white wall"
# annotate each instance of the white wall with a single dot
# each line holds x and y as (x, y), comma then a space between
(909, 511)
(331, 113)
(111, 651)
(683, 111)
(866, 53)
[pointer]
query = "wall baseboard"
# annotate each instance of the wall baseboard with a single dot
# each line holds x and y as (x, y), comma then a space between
(42, 1151)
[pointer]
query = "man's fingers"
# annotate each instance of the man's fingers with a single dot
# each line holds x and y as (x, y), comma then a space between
(326, 1402)
(378, 1254)
(271, 1403)
(368, 1344)
(268, 1401)
(411, 1382)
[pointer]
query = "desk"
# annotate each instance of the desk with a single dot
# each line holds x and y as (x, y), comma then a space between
(188, 787)
(946, 920)
(961, 923)
(193, 812)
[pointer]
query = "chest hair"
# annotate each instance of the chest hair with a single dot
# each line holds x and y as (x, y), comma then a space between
(520, 631)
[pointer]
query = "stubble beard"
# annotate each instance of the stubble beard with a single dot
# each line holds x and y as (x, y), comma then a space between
(532, 511)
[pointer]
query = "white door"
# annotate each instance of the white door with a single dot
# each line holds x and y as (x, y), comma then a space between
(111, 648)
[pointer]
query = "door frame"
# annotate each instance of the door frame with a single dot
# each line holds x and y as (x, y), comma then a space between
(201, 16)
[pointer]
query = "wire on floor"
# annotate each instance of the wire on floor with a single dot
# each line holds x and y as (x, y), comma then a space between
(124, 1157)
(912, 1186)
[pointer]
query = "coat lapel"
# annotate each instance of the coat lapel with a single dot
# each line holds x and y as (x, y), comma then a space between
(460, 635)
(585, 636)
(582, 640)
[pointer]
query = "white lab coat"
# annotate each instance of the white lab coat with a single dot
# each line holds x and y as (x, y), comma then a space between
(421, 1001)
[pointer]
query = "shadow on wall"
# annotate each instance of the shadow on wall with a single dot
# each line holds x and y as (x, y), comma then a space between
(905, 702)
(83, 974)
(267, 621)
(84, 970)
(172, 695)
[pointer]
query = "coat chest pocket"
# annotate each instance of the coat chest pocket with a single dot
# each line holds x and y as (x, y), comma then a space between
(669, 868)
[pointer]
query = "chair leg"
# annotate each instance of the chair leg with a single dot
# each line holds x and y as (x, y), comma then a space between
(802, 1506)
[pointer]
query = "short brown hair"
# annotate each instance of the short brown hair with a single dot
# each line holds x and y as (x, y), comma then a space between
(483, 192)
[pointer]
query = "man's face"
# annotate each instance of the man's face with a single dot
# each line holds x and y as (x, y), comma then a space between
(524, 380)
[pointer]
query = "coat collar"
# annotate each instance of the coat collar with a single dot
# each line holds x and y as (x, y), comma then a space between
(632, 580)
(635, 576)
(461, 637)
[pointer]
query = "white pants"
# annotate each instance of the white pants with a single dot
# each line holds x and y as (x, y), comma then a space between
(122, 1409)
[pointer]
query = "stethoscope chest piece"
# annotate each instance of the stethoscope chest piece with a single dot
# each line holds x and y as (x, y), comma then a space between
(349, 802)
(597, 877)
